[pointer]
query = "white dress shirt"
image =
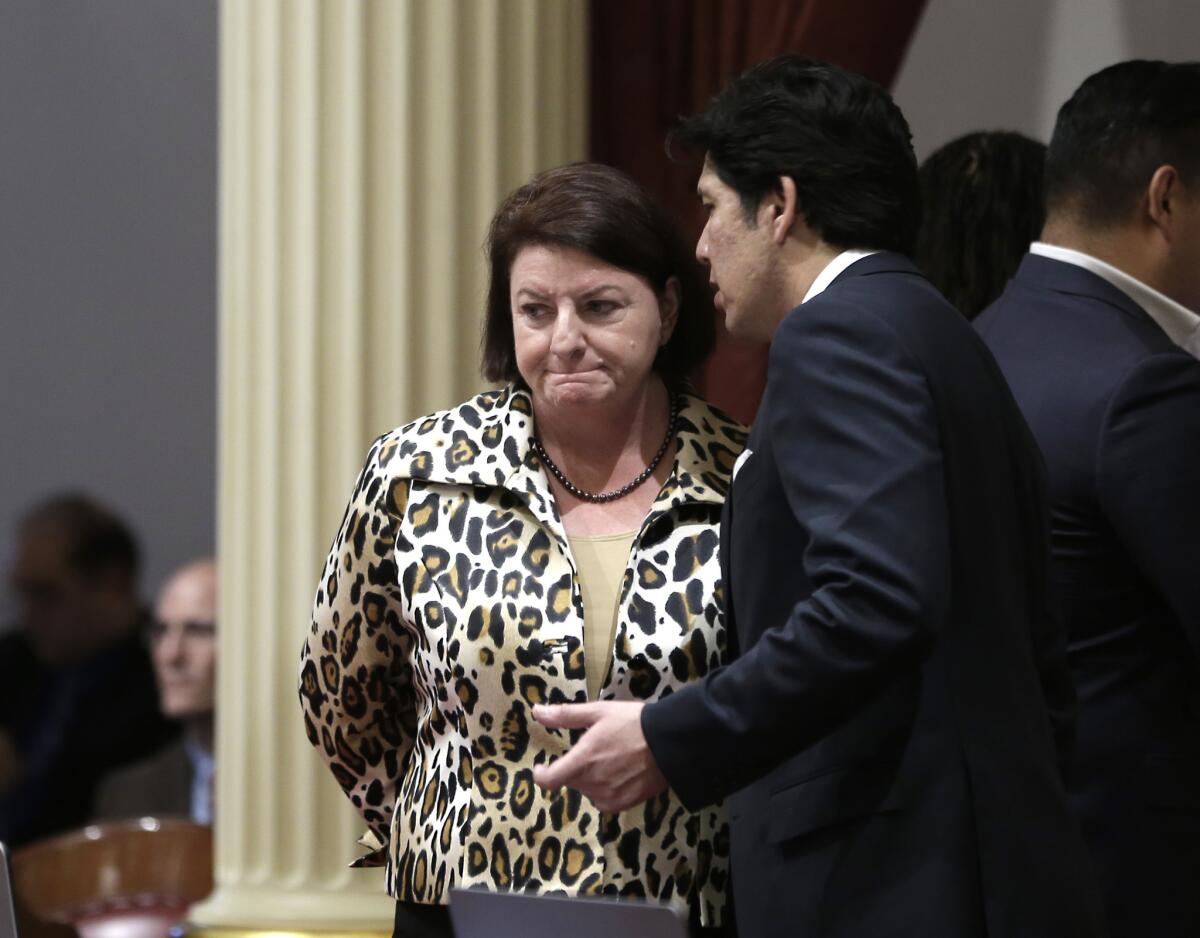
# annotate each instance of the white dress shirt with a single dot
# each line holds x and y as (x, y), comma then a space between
(203, 767)
(1180, 324)
(829, 273)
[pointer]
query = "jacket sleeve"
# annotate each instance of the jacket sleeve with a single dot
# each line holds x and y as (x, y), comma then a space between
(854, 432)
(355, 667)
(1148, 479)
(1049, 632)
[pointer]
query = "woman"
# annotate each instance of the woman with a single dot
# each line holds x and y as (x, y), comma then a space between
(554, 540)
(981, 208)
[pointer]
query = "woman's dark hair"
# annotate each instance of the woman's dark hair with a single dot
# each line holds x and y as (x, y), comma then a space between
(1119, 126)
(982, 196)
(598, 210)
(840, 138)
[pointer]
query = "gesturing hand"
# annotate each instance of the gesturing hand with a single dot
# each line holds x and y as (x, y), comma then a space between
(611, 764)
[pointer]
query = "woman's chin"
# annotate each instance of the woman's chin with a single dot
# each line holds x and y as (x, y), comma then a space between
(577, 392)
(576, 396)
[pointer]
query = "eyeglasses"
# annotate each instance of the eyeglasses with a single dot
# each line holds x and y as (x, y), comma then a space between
(157, 630)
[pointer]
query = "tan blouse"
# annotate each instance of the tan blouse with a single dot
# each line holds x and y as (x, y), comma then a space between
(601, 561)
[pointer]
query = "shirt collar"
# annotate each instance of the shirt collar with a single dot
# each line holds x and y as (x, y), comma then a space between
(203, 761)
(832, 269)
(1180, 324)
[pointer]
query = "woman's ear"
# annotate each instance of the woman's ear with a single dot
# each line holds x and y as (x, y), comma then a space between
(668, 309)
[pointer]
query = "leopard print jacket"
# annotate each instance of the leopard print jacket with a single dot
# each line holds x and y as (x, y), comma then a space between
(449, 605)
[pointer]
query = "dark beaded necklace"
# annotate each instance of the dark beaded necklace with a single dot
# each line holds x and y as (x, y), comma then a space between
(627, 487)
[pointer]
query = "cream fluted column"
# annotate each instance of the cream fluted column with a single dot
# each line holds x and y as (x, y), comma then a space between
(364, 146)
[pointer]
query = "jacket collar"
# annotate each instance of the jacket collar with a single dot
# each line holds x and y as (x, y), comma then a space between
(882, 262)
(487, 441)
(1050, 274)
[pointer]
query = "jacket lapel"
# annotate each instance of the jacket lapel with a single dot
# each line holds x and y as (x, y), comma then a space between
(488, 442)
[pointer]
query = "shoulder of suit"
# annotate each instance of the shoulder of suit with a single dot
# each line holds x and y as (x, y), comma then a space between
(1164, 370)
(161, 768)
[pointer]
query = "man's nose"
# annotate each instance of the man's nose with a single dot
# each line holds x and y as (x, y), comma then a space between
(702, 247)
(170, 646)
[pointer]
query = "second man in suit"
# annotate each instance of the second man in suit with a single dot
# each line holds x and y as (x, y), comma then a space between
(1098, 335)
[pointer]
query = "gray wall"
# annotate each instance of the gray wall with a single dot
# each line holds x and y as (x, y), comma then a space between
(1010, 64)
(108, 130)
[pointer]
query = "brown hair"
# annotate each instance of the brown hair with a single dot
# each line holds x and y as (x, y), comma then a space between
(602, 212)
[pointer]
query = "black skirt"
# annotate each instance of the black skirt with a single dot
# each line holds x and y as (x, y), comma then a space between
(416, 920)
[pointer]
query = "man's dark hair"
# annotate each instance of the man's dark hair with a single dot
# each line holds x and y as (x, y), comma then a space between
(602, 212)
(982, 206)
(840, 138)
(98, 541)
(1120, 126)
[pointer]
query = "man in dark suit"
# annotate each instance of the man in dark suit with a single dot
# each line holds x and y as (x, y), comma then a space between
(77, 695)
(886, 738)
(1098, 335)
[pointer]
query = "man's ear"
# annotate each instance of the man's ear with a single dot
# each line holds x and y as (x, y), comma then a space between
(1161, 195)
(668, 309)
(778, 209)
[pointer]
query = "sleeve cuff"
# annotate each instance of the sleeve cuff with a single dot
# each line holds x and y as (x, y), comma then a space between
(664, 725)
(377, 855)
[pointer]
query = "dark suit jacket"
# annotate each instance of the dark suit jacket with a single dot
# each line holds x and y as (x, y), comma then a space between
(887, 733)
(159, 786)
(1115, 407)
(72, 726)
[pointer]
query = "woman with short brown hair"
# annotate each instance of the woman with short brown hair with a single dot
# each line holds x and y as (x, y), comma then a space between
(553, 540)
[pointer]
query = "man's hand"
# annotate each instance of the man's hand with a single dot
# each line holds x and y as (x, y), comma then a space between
(611, 764)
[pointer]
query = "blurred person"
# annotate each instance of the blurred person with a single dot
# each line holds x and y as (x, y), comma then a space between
(183, 645)
(1098, 335)
(981, 209)
(553, 540)
(888, 735)
(77, 692)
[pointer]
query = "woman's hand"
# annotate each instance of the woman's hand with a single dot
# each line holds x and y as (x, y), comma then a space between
(611, 764)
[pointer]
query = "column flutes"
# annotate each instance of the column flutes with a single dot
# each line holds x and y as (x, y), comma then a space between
(364, 146)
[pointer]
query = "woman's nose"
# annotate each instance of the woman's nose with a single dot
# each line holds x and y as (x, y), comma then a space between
(568, 331)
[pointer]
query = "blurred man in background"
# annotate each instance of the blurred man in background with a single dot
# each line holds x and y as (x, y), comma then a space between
(183, 644)
(77, 691)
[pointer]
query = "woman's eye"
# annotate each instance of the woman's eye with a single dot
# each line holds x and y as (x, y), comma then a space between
(533, 310)
(601, 306)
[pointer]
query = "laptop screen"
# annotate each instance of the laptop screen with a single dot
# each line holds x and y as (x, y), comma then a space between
(8, 915)
(481, 914)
